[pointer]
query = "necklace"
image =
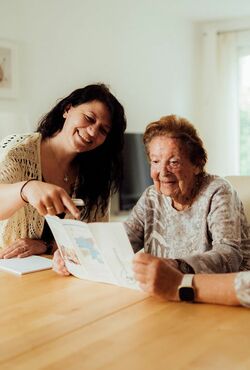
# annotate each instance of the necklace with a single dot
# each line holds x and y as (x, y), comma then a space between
(65, 177)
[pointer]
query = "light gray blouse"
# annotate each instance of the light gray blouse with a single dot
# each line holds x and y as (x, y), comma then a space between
(211, 236)
(242, 288)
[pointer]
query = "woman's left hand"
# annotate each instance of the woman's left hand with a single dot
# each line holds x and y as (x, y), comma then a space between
(24, 248)
(59, 265)
(157, 276)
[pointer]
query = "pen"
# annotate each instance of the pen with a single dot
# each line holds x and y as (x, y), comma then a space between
(78, 202)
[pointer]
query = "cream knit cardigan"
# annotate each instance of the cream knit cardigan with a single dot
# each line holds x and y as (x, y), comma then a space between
(19, 161)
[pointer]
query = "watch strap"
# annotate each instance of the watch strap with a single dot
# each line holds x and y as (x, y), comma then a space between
(187, 280)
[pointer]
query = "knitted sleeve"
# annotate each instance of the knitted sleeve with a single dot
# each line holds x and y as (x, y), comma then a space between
(10, 160)
(20, 161)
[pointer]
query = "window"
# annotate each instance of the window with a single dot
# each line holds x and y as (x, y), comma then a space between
(244, 114)
(225, 97)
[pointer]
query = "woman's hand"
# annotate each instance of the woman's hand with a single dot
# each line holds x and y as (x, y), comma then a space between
(48, 198)
(157, 276)
(59, 265)
(24, 248)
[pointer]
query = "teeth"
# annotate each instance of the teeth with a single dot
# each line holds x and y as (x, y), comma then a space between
(84, 138)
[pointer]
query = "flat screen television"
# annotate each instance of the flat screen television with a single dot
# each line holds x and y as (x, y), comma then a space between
(136, 171)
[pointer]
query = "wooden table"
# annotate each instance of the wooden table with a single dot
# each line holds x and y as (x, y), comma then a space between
(51, 322)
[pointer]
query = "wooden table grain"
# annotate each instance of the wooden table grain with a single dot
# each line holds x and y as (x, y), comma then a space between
(51, 322)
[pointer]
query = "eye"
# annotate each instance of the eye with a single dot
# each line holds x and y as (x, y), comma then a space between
(104, 131)
(154, 161)
(89, 118)
(174, 163)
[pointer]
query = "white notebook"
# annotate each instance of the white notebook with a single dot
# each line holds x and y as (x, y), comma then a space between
(25, 265)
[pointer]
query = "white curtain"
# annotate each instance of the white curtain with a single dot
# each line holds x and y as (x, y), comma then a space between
(228, 106)
(219, 99)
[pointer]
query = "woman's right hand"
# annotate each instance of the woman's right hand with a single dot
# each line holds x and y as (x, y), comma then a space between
(59, 265)
(48, 198)
(157, 276)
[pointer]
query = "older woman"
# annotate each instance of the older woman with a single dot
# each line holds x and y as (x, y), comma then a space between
(194, 219)
(76, 152)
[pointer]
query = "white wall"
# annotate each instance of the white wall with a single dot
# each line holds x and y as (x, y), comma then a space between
(148, 54)
(13, 112)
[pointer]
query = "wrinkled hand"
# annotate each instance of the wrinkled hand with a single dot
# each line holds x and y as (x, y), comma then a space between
(157, 276)
(49, 199)
(24, 248)
(59, 265)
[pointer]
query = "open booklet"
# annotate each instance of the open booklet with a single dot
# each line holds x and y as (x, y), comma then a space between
(98, 251)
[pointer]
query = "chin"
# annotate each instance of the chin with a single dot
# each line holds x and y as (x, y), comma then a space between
(163, 191)
(79, 148)
(167, 191)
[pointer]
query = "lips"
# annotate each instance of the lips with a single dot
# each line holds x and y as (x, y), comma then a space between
(168, 181)
(84, 139)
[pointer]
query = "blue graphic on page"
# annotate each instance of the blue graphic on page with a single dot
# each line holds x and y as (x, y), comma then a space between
(88, 248)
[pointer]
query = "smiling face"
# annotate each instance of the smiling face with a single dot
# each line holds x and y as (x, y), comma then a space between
(86, 126)
(172, 172)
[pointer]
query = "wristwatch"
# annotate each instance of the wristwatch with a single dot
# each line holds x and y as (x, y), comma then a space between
(186, 290)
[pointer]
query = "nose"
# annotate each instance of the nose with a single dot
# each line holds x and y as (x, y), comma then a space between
(92, 130)
(164, 169)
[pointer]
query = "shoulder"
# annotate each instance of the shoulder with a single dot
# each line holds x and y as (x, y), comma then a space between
(220, 198)
(216, 181)
(150, 194)
(16, 140)
(213, 184)
(16, 143)
(151, 200)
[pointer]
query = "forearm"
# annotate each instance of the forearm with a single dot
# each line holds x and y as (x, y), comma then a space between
(215, 288)
(221, 259)
(10, 199)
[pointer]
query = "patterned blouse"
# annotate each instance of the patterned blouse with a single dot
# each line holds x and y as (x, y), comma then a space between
(242, 288)
(211, 236)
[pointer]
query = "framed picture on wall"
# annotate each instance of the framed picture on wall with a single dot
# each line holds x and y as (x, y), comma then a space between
(8, 70)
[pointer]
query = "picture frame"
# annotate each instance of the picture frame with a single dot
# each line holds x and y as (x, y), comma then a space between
(8, 70)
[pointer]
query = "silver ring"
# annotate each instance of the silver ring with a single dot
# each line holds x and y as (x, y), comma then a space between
(50, 207)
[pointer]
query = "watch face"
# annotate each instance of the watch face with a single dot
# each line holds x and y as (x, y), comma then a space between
(186, 294)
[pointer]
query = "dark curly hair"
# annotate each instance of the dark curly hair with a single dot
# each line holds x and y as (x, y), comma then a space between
(100, 169)
(179, 128)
